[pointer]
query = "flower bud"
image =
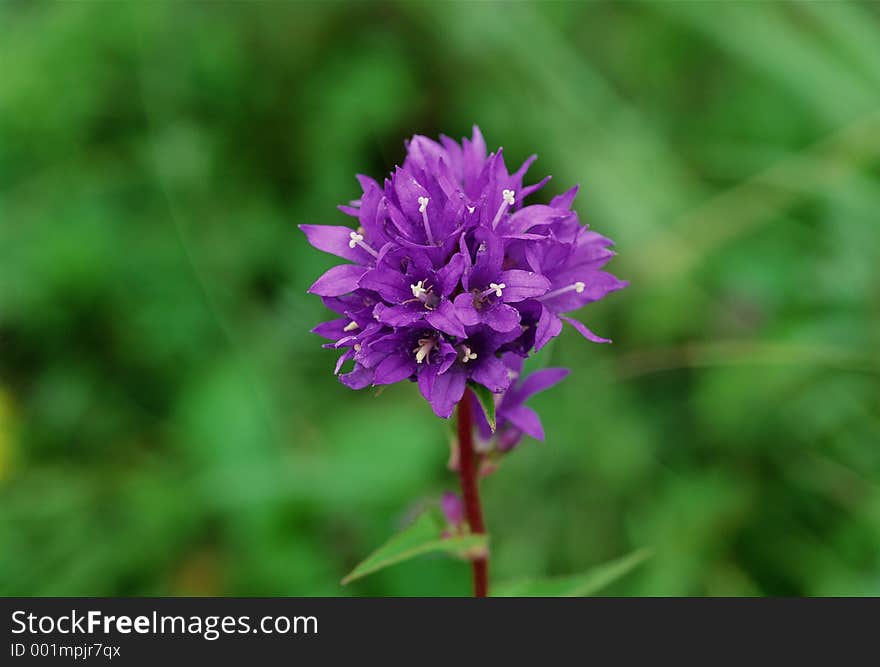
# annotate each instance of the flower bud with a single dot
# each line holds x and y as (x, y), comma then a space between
(453, 509)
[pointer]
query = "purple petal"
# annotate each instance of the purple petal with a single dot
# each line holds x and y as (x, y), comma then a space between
(589, 252)
(332, 330)
(534, 254)
(524, 167)
(446, 179)
(425, 380)
(399, 316)
(532, 216)
(501, 317)
(447, 354)
(465, 311)
(585, 257)
(424, 152)
(372, 354)
(520, 285)
(532, 189)
(597, 284)
(490, 255)
(443, 391)
(394, 368)
(492, 374)
(540, 381)
(478, 143)
(401, 223)
(373, 212)
(526, 237)
(527, 420)
(391, 285)
(359, 378)
(565, 200)
(335, 240)
(445, 319)
(367, 183)
(548, 327)
(425, 254)
(586, 333)
(473, 156)
(345, 341)
(513, 361)
(450, 274)
(337, 281)
(388, 343)
(408, 191)
(348, 354)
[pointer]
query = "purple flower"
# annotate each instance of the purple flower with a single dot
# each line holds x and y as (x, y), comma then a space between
(449, 272)
(513, 418)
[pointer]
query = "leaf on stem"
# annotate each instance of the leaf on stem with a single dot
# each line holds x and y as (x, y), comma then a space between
(575, 585)
(420, 537)
(487, 402)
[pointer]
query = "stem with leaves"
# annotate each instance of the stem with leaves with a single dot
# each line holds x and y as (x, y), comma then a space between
(469, 476)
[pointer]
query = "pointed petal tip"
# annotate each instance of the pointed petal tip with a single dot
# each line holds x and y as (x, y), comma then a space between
(441, 412)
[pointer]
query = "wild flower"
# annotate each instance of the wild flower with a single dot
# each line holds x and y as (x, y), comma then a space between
(451, 277)
(453, 281)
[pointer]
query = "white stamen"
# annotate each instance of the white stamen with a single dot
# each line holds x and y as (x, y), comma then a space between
(357, 239)
(507, 199)
(497, 287)
(423, 209)
(578, 287)
(418, 289)
(424, 349)
(357, 347)
(471, 209)
(467, 355)
(351, 326)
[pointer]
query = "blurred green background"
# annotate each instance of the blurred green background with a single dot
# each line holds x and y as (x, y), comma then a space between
(169, 426)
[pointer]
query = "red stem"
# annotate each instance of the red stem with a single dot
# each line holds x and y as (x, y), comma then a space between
(470, 491)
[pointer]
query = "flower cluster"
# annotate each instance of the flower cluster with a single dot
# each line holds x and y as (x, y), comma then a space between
(453, 280)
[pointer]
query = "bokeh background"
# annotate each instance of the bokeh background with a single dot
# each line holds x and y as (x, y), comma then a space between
(169, 426)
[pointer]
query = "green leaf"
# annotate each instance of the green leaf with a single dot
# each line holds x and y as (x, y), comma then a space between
(422, 536)
(487, 401)
(575, 585)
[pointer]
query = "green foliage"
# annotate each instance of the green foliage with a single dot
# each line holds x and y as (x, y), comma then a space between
(422, 536)
(576, 585)
(487, 402)
(168, 425)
